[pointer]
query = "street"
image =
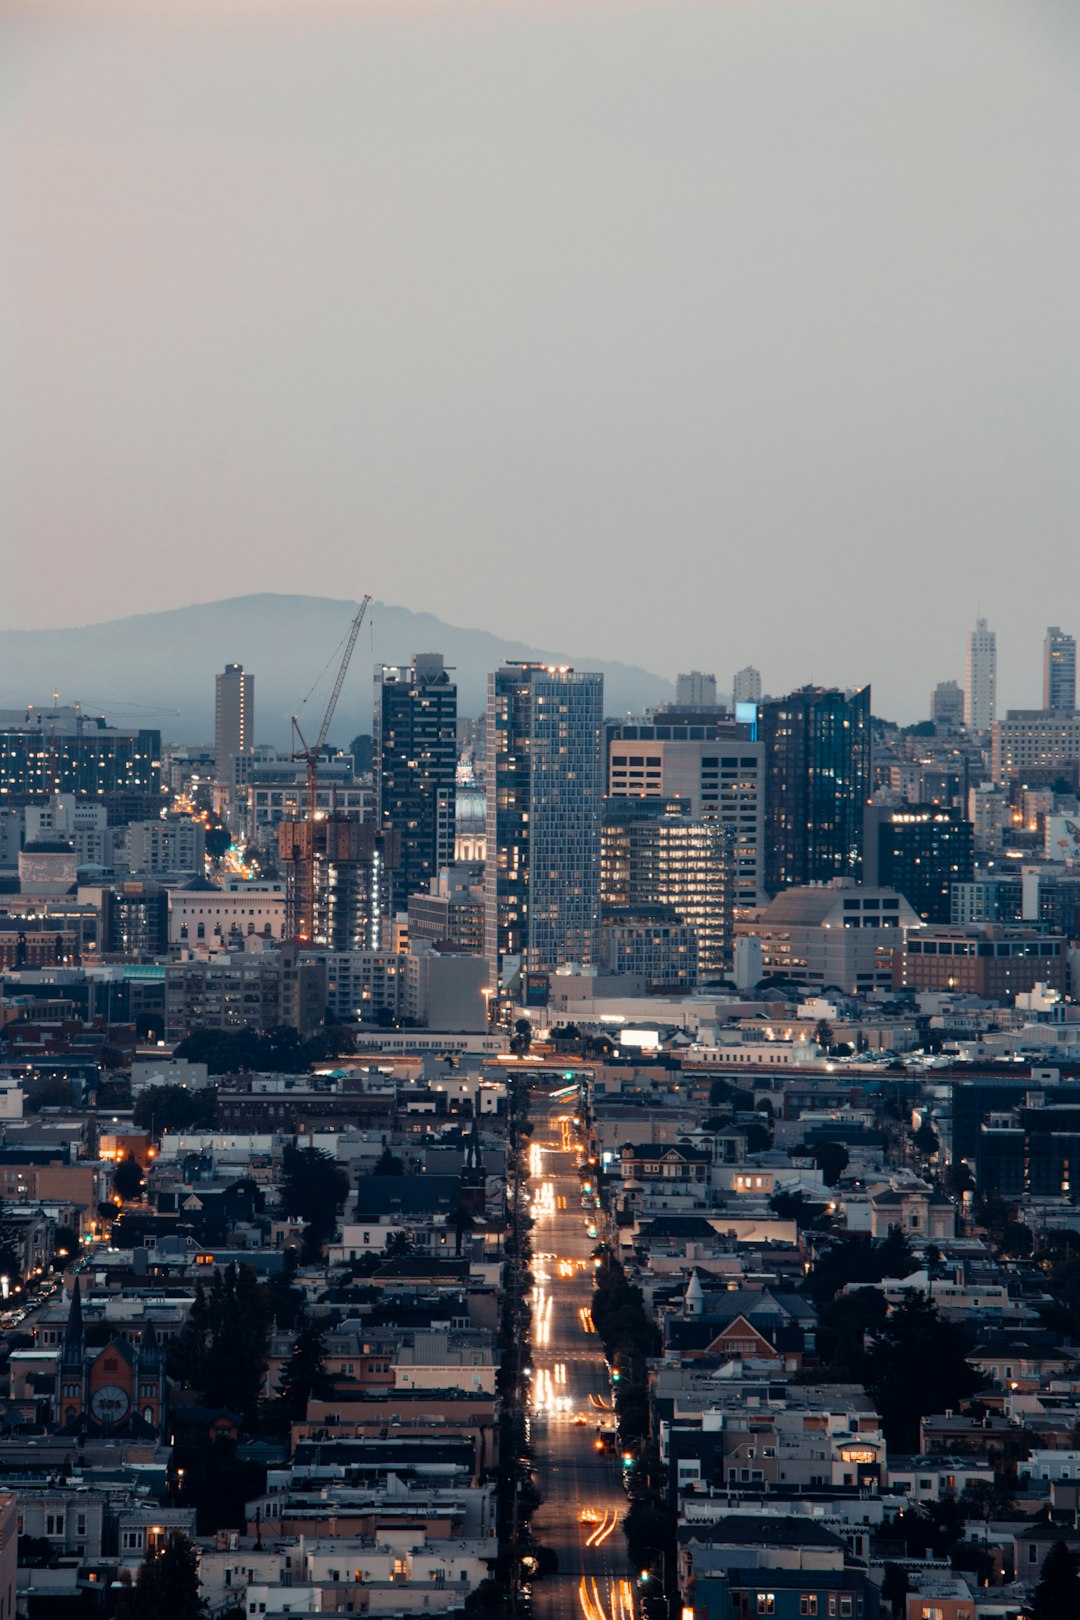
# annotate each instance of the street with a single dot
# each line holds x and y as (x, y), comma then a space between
(570, 1412)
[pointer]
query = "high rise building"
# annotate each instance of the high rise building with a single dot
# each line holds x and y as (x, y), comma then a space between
(1030, 742)
(712, 766)
(675, 861)
(980, 686)
(947, 705)
(920, 850)
(818, 777)
(353, 868)
(544, 783)
(746, 687)
(234, 720)
(695, 691)
(415, 764)
(63, 750)
(1059, 670)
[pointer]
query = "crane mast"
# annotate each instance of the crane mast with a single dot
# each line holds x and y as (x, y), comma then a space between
(304, 851)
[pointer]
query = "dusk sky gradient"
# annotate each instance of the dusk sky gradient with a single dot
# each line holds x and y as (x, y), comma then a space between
(691, 334)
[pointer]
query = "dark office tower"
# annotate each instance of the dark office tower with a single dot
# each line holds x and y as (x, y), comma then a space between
(415, 765)
(817, 783)
(234, 720)
(1059, 671)
(544, 793)
(920, 850)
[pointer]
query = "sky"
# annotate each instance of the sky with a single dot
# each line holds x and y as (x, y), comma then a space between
(694, 335)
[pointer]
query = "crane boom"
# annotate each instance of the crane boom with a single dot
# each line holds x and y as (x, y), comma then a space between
(304, 854)
(342, 671)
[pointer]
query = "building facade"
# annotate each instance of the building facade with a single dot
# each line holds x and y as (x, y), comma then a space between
(44, 752)
(947, 705)
(746, 687)
(713, 767)
(415, 762)
(818, 777)
(1059, 671)
(682, 863)
(980, 684)
(1031, 741)
(920, 850)
(544, 783)
(234, 720)
(991, 960)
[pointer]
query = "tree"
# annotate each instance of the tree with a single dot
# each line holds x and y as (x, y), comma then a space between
(399, 1245)
(218, 840)
(127, 1180)
(831, 1159)
(823, 1034)
(222, 1349)
(843, 1324)
(1057, 1596)
(11, 1260)
(856, 1260)
(66, 1246)
(894, 1588)
(807, 1215)
(917, 1365)
(167, 1585)
(522, 1038)
(926, 1140)
(388, 1164)
(175, 1108)
(314, 1187)
(303, 1375)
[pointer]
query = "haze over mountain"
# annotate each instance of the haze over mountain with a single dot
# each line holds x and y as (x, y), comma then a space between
(130, 669)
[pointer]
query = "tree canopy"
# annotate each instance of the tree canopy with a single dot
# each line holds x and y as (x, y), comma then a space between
(313, 1189)
(175, 1108)
(167, 1585)
(917, 1365)
(222, 1349)
(1057, 1596)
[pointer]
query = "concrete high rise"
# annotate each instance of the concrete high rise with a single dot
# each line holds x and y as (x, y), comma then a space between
(544, 784)
(947, 705)
(713, 767)
(980, 686)
(818, 778)
(676, 861)
(746, 687)
(1059, 671)
(695, 691)
(415, 765)
(234, 720)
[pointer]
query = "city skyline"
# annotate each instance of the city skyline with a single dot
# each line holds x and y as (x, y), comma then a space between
(358, 334)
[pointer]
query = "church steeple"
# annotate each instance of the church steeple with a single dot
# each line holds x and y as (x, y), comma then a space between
(74, 1346)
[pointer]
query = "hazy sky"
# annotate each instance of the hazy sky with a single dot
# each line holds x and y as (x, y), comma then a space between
(691, 334)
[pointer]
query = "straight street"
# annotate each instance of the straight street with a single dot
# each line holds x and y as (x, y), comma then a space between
(577, 1466)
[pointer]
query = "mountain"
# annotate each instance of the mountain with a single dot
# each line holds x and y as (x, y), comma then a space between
(157, 669)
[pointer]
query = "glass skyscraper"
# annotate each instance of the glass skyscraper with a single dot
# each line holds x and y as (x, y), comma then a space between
(415, 765)
(817, 770)
(544, 781)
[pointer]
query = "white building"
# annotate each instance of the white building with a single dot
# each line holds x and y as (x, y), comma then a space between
(980, 686)
(695, 691)
(747, 685)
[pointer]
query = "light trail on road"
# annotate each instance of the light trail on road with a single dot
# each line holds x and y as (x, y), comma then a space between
(583, 1502)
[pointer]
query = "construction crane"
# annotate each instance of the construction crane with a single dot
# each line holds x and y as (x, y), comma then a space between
(305, 928)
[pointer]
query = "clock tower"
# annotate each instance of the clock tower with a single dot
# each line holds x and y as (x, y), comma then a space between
(115, 1390)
